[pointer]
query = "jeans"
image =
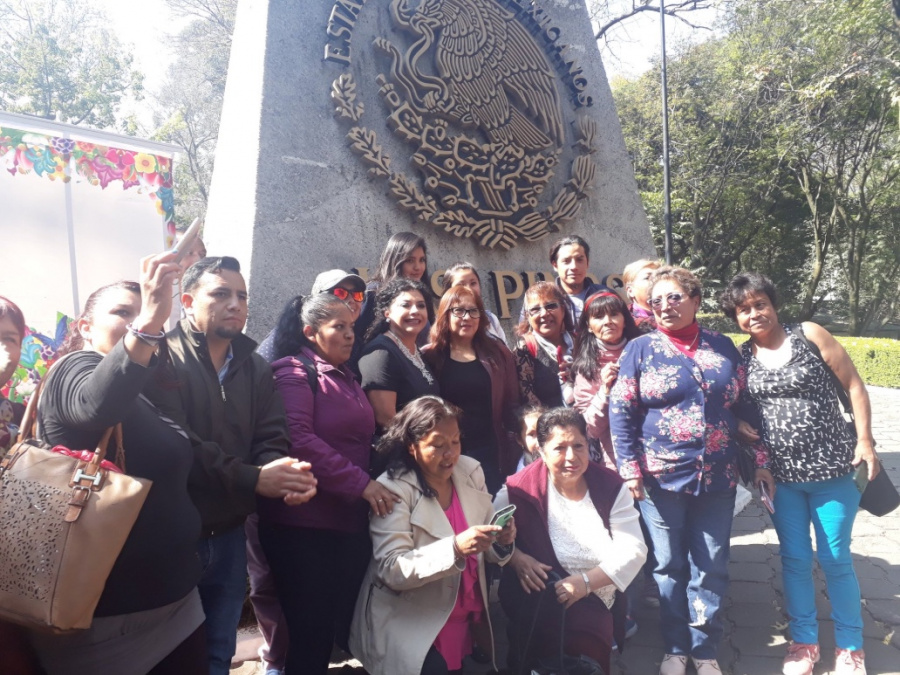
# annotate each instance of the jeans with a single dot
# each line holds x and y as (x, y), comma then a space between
(691, 539)
(831, 506)
(222, 587)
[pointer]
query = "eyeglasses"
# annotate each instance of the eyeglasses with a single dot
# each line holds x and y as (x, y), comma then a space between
(549, 307)
(673, 300)
(462, 312)
(343, 294)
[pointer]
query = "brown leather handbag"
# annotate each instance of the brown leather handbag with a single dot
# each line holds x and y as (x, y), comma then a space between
(64, 523)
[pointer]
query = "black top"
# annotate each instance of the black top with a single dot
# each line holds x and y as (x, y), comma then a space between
(384, 367)
(467, 385)
(802, 423)
(84, 395)
(538, 376)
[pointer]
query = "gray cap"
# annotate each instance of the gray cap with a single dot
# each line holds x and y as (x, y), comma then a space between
(331, 279)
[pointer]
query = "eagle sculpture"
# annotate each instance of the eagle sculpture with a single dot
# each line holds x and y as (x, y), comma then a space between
(492, 73)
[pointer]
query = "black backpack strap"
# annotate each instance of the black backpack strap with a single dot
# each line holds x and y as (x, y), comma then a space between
(312, 373)
(842, 395)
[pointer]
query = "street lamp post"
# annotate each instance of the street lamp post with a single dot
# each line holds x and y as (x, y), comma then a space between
(667, 204)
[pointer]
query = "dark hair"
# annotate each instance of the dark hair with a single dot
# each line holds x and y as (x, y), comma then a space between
(439, 349)
(209, 264)
(743, 285)
(11, 309)
(413, 423)
(385, 298)
(559, 418)
(688, 281)
(448, 281)
(569, 240)
(544, 289)
(398, 248)
(525, 410)
(587, 351)
(300, 311)
(74, 341)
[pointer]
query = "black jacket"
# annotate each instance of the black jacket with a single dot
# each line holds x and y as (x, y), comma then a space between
(235, 427)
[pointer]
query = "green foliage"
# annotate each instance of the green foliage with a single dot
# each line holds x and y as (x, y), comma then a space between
(58, 58)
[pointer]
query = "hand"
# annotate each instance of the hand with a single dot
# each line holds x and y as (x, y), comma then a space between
(636, 488)
(532, 574)
(746, 433)
(381, 500)
(158, 273)
(564, 367)
(477, 539)
(507, 535)
(865, 452)
(288, 479)
(765, 476)
(570, 590)
(608, 376)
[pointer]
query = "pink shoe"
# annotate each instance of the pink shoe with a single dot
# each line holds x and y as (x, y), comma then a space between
(849, 662)
(800, 659)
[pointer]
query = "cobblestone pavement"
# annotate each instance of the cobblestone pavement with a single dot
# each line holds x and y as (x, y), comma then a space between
(755, 624)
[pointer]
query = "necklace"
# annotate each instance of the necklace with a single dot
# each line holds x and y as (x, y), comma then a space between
(415, 357)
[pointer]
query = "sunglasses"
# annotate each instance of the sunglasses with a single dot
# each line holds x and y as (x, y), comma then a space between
(461, 312)
(344, 294)
(673, 300)
(549, 307)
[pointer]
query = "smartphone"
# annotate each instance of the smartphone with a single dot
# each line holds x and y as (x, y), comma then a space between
(187, 240)
(765, 498)
(503, 516)
(861, 476)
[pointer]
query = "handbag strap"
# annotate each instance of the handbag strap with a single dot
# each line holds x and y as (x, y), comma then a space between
(562, 631)
(842, 395)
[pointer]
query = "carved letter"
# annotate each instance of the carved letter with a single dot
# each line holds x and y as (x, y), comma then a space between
(503, 297)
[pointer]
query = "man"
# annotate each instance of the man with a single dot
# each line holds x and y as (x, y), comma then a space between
(570, 257)
(636, 278)
(226, 400)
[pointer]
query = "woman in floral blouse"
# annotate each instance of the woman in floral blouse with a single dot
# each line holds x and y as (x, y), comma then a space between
(674, 433)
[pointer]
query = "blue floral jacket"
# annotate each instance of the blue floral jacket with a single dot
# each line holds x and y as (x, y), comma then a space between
(671, 416)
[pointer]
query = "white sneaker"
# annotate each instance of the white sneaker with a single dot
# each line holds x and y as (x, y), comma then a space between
(847, 662)
(673, 664)
(706, 666)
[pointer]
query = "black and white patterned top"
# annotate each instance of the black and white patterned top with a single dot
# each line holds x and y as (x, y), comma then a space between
(802, 422)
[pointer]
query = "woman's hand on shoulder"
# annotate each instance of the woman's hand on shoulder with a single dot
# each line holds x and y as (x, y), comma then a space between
(381, 500)
(532, 574)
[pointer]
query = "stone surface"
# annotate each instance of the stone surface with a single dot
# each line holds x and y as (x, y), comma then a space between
(289, 199)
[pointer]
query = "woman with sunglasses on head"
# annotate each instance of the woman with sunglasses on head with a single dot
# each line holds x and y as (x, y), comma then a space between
(674, 432)
(393, 371)
(405, 256)
(477, 373)
(544, 351)
(465, 274)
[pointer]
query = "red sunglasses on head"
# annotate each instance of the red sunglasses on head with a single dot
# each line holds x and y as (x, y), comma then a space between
(344, 294)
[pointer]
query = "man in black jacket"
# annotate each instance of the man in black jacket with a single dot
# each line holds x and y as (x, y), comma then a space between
(227, 401)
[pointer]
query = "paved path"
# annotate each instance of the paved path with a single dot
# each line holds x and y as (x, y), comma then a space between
(755, 637)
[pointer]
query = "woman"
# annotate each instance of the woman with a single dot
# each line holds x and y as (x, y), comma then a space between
(424, 600)
(605, 327)
(318, 552)
(578, 521)
(673, 430)
(544, 350)
(405, 256)
(813, 452)
(149, 618)
(393, 372)
(476, 373)
(465, 274)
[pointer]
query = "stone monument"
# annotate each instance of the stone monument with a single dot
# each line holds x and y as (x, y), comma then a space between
(485, 126)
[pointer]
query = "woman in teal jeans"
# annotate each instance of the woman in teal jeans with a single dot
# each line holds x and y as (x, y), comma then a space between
(813, 455)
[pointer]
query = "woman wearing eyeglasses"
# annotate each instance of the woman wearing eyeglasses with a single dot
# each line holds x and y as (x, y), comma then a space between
(674, 433)
(477, 373)
(544, 351)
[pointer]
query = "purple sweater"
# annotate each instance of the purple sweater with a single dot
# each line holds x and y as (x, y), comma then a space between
(332, 431)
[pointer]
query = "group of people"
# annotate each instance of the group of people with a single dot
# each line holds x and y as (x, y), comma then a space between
(353, 462)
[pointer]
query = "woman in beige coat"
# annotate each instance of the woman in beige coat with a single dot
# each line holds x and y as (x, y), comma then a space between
(423, 602)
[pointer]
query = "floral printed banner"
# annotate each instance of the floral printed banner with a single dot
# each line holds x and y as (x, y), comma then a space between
(23, 152)
(38, 354)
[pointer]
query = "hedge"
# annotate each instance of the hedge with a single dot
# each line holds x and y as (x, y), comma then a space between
(876, 359)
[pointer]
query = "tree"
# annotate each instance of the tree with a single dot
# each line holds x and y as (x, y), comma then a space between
(59, 59)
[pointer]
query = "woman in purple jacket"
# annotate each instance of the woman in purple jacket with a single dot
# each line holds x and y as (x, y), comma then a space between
(318, 552)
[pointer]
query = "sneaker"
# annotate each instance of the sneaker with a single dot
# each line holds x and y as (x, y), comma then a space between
(706, 666)
(849, 662)
(673, 664)
(800, 659)
(630, 627)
